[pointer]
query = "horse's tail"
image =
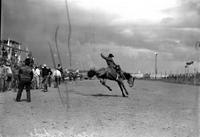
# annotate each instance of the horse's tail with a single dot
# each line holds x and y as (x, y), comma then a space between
(91, 73)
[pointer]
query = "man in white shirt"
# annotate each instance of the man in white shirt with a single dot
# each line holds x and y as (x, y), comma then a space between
(8, 77)
(36, 72)
(57, 77)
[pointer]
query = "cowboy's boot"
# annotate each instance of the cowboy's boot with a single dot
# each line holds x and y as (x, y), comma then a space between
(117, 77)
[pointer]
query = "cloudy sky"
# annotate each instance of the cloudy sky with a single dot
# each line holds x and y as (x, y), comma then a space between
(133, 30)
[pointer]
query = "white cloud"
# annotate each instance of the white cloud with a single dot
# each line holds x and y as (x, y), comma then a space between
(35, 21)
(127, 32)
(130, 10)
(121, 50)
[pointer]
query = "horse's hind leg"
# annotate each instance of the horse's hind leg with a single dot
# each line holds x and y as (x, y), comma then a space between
(103, 82)
(120, 85)
(124, 88)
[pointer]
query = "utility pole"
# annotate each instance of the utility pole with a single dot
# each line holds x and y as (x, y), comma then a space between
(69, 34)
(197, 96)
(1, 12)
(156, 69)
(56, 42)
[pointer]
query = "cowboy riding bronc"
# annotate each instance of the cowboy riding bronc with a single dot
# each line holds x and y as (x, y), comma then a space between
(114, 73)
(111, 64)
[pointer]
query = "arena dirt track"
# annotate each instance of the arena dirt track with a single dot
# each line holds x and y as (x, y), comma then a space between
(153, 109)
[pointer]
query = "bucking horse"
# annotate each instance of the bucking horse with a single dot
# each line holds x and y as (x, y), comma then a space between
(104, 74)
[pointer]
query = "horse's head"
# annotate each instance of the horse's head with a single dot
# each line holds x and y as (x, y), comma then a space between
(130, 79)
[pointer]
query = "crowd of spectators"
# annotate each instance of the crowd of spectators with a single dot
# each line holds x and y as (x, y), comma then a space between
(42, 75)
(188, 78)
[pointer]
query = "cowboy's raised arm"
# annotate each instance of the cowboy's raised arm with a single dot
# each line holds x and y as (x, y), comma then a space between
(103, 56)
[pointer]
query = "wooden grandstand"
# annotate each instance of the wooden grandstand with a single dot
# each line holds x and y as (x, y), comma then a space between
(10, 52)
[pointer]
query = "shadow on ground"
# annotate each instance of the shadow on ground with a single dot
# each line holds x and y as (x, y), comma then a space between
(96, 95)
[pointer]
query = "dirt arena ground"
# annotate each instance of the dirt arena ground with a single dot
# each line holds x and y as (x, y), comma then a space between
(153, 109)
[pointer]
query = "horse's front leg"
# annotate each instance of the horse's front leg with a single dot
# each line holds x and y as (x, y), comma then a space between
(103, 82)
(120, 85)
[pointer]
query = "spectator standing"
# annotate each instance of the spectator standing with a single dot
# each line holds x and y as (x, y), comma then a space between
(57, 77)
(15, 81)
(49, 77)
(36, 72)
(25, 78)
(45, 74)
(59, 67)
(30, 59)
(2, 77)
(9, 76)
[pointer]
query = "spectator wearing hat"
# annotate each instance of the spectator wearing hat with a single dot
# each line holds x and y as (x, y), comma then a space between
(45, 74)
(30, 59)
(25, 77)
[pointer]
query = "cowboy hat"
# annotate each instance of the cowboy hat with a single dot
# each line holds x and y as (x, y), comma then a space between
(111, 55)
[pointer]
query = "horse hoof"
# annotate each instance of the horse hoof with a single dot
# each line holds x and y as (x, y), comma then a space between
(125, 96)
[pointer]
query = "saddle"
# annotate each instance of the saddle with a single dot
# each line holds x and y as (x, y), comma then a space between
(110, 70)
